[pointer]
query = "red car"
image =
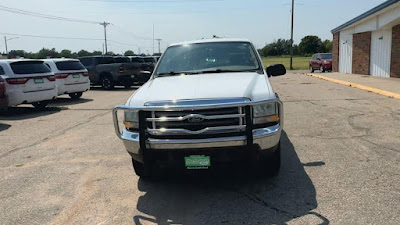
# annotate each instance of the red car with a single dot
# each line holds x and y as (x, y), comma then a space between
(321, 62)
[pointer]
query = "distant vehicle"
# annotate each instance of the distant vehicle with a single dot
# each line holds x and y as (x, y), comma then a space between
(321, 62)
(104, 71)
(147, 68)
(122, 59)
(71, 76)
(3, 96)
(151, 61)
(27, 82)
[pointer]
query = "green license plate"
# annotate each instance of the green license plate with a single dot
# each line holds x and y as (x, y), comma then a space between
(38, 81)
(133, 76)
(197, 162)
(76, 75)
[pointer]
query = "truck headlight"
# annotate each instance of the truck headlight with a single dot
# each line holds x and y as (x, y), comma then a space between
(265, 113)
(131, 119)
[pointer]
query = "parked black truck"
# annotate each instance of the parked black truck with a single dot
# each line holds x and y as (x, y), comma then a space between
(105, 71)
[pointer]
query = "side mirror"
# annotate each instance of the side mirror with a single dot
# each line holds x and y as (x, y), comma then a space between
(276, 70)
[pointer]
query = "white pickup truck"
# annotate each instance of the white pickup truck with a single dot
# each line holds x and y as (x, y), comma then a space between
(208, 102)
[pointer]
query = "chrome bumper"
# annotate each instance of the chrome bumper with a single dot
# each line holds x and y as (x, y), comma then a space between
(265, 138)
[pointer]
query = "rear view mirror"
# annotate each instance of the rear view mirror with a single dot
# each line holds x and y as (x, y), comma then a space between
(276, 70)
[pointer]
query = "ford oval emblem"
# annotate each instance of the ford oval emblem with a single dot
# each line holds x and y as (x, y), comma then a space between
(195, 119)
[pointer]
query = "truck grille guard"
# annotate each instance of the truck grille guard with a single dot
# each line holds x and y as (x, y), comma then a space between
(144, 120)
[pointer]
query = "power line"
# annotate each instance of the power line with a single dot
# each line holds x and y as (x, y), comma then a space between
(119, 29)
(35, 14)
(154, 1)
(52, 37)
(67, 38)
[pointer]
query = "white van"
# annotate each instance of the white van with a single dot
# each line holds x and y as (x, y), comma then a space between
(72, 77)
(28, 81)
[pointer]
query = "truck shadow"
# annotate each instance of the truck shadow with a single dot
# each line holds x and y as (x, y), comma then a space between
(232, 197)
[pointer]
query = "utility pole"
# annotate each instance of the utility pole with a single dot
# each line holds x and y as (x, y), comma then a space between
(105, 35)
(5, 41)
(153, 39)
(159, 48)
(291, 38)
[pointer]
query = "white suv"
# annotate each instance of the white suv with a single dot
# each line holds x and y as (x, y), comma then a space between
(28, 81)
(72, 77)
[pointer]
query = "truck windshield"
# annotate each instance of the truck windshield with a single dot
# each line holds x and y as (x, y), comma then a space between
(122, 60)
(209, 57)
(105, 60)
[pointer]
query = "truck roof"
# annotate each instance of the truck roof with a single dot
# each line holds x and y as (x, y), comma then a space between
(211, 40)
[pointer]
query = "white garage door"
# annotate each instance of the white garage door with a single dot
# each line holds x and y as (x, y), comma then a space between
(381, 51)
(346, 52)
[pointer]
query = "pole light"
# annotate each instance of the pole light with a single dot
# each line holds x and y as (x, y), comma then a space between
(8, 39)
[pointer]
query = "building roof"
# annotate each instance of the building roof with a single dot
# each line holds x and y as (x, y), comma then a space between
(365, 15)
(211, 40)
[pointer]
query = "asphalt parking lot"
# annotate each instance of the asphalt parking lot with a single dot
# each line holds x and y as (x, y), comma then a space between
(341, 154)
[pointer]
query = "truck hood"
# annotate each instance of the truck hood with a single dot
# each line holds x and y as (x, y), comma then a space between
(204, 86)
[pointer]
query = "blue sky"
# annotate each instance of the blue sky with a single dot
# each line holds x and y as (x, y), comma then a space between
(261, 21)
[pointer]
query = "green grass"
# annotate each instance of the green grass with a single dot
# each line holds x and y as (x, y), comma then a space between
(299, 63)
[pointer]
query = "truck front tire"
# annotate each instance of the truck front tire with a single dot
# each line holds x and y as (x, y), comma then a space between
(142, 170)
(270, 165)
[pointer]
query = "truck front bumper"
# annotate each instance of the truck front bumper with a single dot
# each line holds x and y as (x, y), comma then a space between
(263, 139)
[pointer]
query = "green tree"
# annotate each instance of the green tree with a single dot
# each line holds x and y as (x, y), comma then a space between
(66, 53)
(83, 53)
(16, 53)
(310, 45)
(277, 48)
(46, 53)
(97, 53)
(129, 53)
(326, 46)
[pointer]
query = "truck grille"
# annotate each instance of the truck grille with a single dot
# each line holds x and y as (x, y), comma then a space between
(196, 124)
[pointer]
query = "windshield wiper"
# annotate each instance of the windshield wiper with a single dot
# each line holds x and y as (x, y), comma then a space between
(226, 71)
(173, 73)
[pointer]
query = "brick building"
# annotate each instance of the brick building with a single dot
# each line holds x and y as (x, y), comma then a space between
(370, 43)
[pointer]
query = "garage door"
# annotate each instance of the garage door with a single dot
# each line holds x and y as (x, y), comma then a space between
(381, 50)
(346, 52)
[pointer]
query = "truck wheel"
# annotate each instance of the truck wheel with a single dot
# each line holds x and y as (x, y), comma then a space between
(40, 105)
(107, 83)
(143, 171)
(311, 69)
(75, 96)
(271, 165)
